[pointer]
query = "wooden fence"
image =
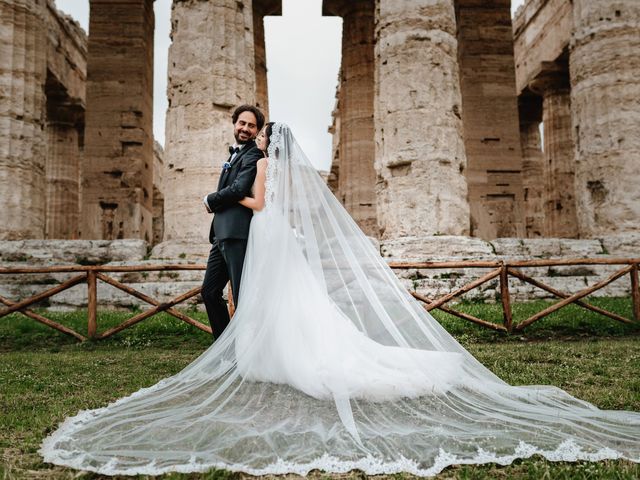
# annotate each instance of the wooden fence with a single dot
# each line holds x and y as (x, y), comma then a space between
(497, 269)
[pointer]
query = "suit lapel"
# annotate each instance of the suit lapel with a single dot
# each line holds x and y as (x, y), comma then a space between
(224, 176)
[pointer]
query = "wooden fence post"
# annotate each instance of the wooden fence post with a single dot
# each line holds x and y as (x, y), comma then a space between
(635, 292)
(504, 296)
(92, 304)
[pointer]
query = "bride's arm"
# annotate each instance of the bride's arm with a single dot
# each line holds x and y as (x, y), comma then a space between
(257, 201)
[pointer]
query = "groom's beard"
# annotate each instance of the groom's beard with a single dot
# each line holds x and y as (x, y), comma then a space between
(239, 141)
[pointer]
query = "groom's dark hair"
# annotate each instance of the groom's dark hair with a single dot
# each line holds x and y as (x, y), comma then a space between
(249, 108)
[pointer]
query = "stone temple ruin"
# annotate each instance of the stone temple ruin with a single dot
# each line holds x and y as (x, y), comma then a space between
(436, 126)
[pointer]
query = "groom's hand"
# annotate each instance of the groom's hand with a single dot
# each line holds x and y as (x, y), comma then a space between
(206, 204)
(241, 186)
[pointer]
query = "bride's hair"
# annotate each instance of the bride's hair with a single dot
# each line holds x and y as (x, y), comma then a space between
(267, 133)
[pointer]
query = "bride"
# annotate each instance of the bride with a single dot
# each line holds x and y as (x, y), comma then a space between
(330, 364)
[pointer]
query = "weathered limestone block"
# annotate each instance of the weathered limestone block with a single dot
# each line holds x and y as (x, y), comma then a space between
(84, 252)
(181, 249)
(118, 168)
(357, 148)
(420, 158)
(211, 70)
(605, 104)
(490, 117)
(546, 247)
(622, 244)
(22, 116)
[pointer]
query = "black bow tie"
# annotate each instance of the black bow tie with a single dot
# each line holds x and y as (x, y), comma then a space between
(233, 149)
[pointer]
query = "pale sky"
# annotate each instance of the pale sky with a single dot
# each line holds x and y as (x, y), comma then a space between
(303, 59)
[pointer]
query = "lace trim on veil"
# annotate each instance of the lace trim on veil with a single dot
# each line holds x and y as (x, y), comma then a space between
(274, 150)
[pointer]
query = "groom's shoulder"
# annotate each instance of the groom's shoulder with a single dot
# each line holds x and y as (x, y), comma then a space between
(254, 154)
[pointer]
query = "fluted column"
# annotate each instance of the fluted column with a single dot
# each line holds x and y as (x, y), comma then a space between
(605, 105)
(63, 175)
(118, 162)
(357, 178)
(420, 157)
(22, 112)
(530, 107)
(490, 116)
(211, 71)
(559, 171)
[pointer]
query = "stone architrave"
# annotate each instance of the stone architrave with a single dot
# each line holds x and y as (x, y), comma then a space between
(530, 107)
(559, 166)
(211, 71)
(117, 184)
(605, 106)
(357, 178)
(420, 156)
(490, 117)
(22, 113)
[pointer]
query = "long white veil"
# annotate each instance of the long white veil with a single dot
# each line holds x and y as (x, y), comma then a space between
(215, 413)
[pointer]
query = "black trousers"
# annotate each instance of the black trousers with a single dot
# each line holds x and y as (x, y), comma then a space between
(226, 259)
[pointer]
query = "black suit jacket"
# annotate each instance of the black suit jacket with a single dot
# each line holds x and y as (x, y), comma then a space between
(231, 220)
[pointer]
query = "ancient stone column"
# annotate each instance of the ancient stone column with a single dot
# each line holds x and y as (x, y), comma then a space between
(211, 71)
(63, 176)
(118, 163)
(22, 112)
(357, 177)
(420, 157)
(333, 179)
(605, 106)
(490, 117)
(530, 108)
(559, 166)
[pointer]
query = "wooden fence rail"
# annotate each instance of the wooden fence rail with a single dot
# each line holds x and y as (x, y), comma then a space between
(499, 269)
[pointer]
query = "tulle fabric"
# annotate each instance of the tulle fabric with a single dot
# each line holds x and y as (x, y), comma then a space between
(330, 364)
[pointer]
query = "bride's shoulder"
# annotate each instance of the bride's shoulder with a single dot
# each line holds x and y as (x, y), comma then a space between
(263, 162)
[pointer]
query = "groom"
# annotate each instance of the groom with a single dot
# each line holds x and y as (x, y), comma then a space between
(230, 225)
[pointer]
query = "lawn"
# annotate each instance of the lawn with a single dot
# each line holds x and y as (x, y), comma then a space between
(46, 376)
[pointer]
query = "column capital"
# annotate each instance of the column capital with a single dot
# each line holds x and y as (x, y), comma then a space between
(267, 7)
(342, 8)
(552, 77)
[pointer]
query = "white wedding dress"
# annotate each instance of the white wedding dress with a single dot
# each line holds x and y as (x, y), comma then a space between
(330, 364)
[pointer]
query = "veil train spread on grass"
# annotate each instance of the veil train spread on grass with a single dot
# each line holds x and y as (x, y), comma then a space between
(330, 364)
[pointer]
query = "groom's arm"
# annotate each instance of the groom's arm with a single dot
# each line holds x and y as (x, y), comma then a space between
(241, 186)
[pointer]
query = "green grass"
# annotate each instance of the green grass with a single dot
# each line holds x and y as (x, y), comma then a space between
(46, 376)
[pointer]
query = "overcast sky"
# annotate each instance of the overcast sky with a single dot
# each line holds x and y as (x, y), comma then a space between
(303, 58)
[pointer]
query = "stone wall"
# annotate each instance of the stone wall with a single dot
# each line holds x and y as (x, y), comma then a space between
(428, 282)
